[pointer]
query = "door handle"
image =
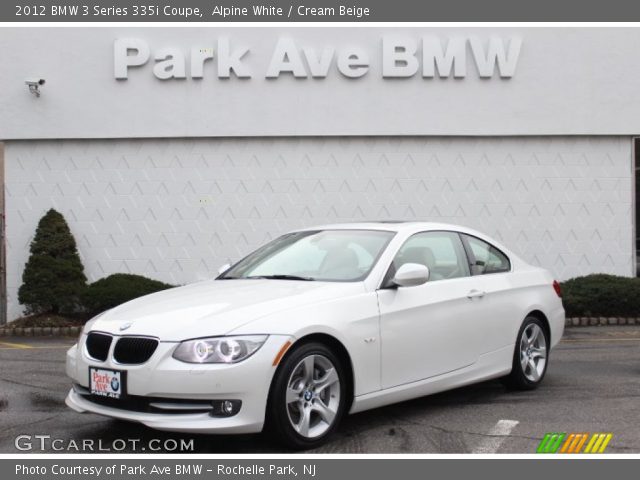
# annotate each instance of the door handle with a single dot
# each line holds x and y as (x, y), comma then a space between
(475, 294)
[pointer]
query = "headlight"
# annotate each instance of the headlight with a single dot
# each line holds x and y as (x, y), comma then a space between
(219, 349)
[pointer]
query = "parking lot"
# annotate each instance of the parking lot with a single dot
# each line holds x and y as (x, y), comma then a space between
(593, 385)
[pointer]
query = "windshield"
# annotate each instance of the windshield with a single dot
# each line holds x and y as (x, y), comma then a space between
(326, 255)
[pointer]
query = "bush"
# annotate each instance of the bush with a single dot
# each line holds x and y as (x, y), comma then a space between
(117, 289)
(53, 278)
(601, 295)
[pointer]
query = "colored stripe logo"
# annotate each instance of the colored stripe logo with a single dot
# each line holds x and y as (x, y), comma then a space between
(574, 443)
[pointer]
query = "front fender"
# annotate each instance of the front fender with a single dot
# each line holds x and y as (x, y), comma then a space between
(354, 321)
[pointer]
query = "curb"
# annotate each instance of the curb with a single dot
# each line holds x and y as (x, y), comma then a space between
(600, 321)
(9, 331)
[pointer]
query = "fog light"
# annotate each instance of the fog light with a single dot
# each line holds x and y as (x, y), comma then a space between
(225, 408)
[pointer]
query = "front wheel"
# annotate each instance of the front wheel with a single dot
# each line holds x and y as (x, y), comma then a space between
(308, 397)
(531, 355)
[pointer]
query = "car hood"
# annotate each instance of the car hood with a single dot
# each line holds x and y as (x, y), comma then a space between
(215, 307)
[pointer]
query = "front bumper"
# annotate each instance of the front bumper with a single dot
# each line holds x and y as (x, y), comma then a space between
(163, 376)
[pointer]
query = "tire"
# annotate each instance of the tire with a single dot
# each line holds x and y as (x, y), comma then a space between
(530, 356)
(304, 408)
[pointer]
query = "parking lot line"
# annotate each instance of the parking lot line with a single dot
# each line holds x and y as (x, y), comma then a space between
(496, 437)
(14, 345)
(24, 346)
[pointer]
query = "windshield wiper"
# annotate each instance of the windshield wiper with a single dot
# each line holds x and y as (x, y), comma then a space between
(284, 277)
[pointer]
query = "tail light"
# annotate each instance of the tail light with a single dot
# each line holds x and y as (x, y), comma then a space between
(556, 287)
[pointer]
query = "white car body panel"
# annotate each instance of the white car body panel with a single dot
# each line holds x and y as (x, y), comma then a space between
(212, 308)
(396, 351)
(444, 330)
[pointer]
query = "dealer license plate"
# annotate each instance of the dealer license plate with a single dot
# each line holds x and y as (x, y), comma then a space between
(106, 383)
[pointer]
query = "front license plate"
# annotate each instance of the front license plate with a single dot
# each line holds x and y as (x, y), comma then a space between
(106, 383)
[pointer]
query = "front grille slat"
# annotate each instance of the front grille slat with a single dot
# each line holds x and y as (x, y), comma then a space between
(134, 350)
(98, 345)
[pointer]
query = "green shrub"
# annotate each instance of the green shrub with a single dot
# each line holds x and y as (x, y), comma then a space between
(117, 289)
(53, 278)
(602, 295)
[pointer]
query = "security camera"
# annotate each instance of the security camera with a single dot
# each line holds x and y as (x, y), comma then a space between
(34, 85)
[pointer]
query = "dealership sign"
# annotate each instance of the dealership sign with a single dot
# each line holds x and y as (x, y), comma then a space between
(401, 57)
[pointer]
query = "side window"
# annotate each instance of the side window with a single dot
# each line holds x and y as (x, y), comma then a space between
(486, 258)
(442, 252)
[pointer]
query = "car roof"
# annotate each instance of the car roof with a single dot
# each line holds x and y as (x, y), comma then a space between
(391, 225)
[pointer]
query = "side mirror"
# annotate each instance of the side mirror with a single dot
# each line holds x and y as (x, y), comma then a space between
(411, 275)
(224, 268)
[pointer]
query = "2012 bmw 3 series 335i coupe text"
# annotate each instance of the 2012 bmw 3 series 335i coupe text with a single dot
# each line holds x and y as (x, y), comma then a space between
(319, 323)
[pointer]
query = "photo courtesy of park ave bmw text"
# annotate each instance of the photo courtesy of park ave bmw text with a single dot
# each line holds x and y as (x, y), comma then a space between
(330, 239)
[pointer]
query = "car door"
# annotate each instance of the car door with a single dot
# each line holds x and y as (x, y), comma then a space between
(430, 329)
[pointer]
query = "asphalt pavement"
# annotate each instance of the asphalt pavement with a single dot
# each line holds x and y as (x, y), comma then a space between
(592, 385)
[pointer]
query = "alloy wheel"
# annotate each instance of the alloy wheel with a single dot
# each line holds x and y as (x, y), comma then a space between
(533, 352)
(313, 396)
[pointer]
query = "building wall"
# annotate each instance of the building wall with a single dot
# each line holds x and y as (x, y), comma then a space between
(568, 81)
(177, 209)
(3, 289)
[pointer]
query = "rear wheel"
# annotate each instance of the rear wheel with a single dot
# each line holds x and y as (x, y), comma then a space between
(530, 358)
(308, 397)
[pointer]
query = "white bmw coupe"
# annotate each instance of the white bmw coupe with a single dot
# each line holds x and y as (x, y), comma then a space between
(318, 323)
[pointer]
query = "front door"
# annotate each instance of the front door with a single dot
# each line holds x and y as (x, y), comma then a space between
(431, 329)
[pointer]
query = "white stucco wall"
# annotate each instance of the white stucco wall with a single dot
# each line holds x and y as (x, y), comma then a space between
(177, 209)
